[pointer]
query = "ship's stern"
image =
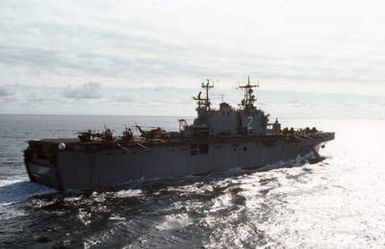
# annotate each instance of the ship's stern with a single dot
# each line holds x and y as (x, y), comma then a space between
(41, 162)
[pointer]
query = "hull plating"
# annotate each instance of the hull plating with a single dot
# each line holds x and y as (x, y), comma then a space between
(79, 167)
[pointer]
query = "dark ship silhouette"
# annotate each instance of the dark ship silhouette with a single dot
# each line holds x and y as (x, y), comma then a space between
(218, 140)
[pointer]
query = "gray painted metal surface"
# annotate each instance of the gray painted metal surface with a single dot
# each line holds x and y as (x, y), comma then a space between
(218, 140)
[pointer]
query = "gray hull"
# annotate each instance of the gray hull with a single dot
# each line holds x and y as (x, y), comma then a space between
(218, 140)
(97, 165)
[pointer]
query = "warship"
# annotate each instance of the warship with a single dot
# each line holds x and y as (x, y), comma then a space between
(218, 140)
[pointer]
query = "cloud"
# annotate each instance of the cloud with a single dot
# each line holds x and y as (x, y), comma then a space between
(159, 95)
(157, 54)
(8, 90)
(127, 48)
(128, 98)
(90, 90)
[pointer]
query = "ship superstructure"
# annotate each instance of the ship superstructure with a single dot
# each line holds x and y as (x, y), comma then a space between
(218, 140)
(247, 120)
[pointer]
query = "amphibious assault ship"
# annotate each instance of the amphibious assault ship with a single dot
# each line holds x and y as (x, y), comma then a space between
(218, 140)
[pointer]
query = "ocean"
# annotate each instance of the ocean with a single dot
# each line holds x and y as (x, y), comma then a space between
(338, 202)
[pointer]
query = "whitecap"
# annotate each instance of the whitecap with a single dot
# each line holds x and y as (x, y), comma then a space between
(18, 190)
(174, 221)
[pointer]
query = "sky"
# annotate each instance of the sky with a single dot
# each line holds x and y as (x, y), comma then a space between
(311, 59)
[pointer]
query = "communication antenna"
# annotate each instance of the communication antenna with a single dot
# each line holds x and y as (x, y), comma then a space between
(249, 98)
(207, 87)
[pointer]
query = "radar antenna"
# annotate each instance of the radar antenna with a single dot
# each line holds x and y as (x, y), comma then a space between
(249, 98)
(204, 102)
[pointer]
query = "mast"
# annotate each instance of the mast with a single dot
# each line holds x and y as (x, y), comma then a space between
(249, 98)
(204, 102)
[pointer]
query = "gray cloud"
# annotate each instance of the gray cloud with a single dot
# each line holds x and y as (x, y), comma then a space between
(175, 45)
(144, 51)
(159, 95)
(90, 90)
(125, 98)
(8, 90)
